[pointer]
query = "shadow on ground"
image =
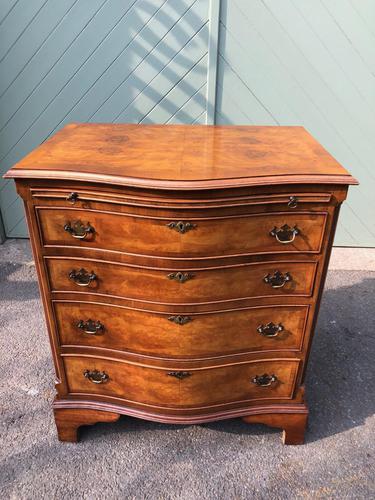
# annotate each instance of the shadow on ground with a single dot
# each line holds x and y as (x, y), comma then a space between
(230, 459)
(341, 372)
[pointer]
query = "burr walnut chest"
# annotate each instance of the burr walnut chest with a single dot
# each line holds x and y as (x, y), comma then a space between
(181, 269)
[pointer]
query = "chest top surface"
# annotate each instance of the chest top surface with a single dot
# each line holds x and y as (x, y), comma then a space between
(182, 156)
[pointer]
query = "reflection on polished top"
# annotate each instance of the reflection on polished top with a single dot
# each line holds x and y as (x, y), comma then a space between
(182, 156)
(183, 304)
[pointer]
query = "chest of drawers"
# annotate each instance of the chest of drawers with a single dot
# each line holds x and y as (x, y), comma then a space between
(181, 269)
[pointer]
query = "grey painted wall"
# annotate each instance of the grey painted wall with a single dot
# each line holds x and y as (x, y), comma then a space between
(279, 62)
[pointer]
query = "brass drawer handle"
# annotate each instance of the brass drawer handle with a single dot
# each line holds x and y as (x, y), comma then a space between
(270, 329)
(91, 327)
(78, 230)
(96, 377)
(285, 234)
(277, 279)
(180, 277)
(72, 198)
(180, 320)
(264, 380)
(181, 227)
(82, 277)
(179, 375)
(293, 202)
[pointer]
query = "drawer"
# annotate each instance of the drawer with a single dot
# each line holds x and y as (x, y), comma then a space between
(172, 286)
(180, 335)
(276, 232)
(182, 388)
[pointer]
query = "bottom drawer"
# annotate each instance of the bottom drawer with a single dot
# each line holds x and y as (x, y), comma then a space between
(187, 388)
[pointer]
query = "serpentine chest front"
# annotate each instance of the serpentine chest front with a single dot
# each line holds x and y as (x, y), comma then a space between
(181, 269)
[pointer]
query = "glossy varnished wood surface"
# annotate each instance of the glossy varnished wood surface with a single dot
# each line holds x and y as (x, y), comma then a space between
(293, 425)
(202, 387)
(204, 285)
(151, 235)
(237, 345)
(182, 157)
(235, 184)
(69, 420)
(157, 334)
(233, 201)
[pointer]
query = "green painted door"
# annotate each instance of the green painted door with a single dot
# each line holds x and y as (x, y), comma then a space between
(95, 61)
(290, 62)
(310, 63)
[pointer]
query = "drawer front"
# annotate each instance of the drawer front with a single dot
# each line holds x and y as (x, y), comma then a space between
(185, 388)
(186, 287)
(171, 237)
(176, 335)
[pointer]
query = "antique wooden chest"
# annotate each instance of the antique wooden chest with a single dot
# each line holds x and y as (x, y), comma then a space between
(181, 269)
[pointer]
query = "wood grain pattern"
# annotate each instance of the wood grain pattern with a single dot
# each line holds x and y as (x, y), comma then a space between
(67, 61)
(204, 285)
(321, 56)
(125, 200)
(194, 157)
(133, 61)
(68, 420)
(201, 388)
(149, 362)
(206, 237)
(157, 334)
(293, 424)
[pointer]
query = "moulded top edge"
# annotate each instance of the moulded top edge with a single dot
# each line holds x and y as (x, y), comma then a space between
(182, 156)
(180, 185)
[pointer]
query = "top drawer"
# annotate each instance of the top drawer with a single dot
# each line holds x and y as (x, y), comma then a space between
(262, 233)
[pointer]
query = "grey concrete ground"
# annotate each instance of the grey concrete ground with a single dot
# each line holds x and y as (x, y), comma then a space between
(228, 460)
